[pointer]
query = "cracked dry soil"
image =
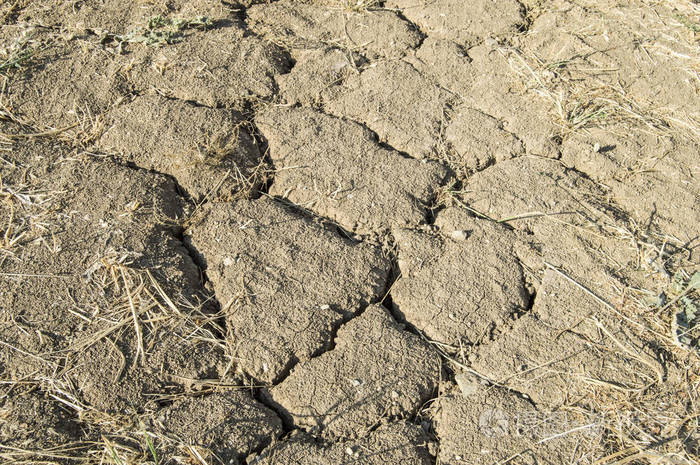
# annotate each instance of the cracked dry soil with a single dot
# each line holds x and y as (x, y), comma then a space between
(349, 231)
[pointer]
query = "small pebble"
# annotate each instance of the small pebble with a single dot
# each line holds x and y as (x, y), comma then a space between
(459, 235)
(467, 383)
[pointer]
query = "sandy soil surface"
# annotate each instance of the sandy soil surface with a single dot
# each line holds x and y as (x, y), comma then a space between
(349, 232)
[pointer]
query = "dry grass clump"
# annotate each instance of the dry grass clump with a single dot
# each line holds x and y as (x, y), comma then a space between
(660, 424)
(581, 101)
(27, 218)
(584, 94)
(133, 303)
(139, 301)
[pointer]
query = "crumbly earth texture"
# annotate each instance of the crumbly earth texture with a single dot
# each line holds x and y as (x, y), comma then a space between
(349, 232)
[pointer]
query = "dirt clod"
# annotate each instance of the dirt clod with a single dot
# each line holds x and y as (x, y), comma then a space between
(384, 97)
(378, 33)
(29, 420)
(209, 151)
(445, 62)
(66, 82)
(563, 218)
(97, 257)
(336, 168)
(462, 21)
(568, 348)
(284, 283)
(630, 165)
(393, 443)
(229, 424)
(480, 140)
(436, 291)
(315, 71)
(493, 89)
(492, 425)
(216, 67)
(381, 370)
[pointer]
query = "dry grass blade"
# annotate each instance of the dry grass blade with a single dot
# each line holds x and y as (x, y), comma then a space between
(162, 294)
(137, 325)
(653, 364)
(20, 456)
(35, 135)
